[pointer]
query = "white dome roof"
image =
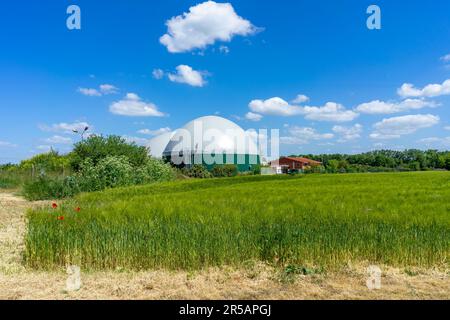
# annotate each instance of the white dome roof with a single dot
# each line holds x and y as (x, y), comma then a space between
(158, 144)
(211, 134)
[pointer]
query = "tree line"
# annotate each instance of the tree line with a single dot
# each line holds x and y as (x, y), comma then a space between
(383, 160)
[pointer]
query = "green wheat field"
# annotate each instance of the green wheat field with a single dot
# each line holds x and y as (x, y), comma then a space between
(327, 221)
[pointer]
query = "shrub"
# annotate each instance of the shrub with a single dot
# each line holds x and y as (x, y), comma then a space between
(46, 162)
(197, 171)
(154, 171)
(97, 148)
(109, 172)
(227, 170)
(44, 188)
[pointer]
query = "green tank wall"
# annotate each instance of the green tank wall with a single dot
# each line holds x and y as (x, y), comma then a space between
(243, 162)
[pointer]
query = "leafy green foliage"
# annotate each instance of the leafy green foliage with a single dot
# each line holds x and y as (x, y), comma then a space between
(46, 162)
(384, 161)
(227, 170)
(325, 221)
(97, 148)
(197, 171)
(109, 172)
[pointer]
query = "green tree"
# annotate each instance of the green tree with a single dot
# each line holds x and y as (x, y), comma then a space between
(97, 148)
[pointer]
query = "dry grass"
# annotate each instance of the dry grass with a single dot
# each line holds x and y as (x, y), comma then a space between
(253, 282)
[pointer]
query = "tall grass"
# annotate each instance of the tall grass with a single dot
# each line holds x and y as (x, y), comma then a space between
(322, 220)
(13, 179)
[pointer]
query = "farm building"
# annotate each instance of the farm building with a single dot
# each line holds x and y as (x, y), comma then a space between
(208, 141)
(289, 164)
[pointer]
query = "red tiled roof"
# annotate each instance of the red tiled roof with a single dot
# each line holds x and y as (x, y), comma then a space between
(303, 160)
(298, 159)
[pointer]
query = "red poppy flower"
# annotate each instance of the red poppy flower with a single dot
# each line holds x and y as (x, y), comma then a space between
(54, 205)
(77, 209)
(61, 218)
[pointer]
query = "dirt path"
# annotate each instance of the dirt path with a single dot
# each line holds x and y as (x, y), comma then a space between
(254, 282)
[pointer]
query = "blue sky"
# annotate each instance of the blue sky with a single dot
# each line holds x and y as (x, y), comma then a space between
(246, 61)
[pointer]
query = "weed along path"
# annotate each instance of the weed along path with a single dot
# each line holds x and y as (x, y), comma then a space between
(255, 281)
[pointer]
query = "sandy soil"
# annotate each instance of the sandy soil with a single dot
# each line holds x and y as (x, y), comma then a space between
(252, 282)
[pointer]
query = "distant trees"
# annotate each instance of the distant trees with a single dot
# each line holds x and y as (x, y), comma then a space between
(384, 160)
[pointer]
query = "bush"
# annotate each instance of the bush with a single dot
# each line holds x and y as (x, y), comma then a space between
(44, 188)
(46, 162)
(97, 148)
(197, 171)
(110, 172)
(154, 171)
(227, 170)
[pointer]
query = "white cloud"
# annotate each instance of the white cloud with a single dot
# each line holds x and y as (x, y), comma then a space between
(382, 107)
(447, 128)
(137, 140)
(303, 135)
(431, 90)
(348, 133)
(435, 141)
(185, 74)
(446, 58)
(58, 140)
(66, 127)
(108, 89)
(158, 74)
(224, 49)
(395, 127)
(331, 111)
(132, 105)
(300, 99)
(89, 92)
(104, 89)
(154, 132)
(6, 144)
(253, 116)
(275, 107)
(203, 25)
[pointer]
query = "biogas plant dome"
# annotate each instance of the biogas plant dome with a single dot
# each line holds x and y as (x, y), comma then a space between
(212, 141)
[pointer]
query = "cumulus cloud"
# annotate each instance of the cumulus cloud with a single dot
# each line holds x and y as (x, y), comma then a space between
(185, 74)
(203, 25)
(431, 90)
(303, 135)
(275, 107)
(158, 74)
(58, 140)
(331, 111)
(132, 105)
(301, 98)
(348, 133)
(66, 127)
(395, 127)
(103, 89)
(89, 92)
(253, 116)
(156, 132)
(6, 144)
(446, 58)
(108, 89)
(382, 107)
